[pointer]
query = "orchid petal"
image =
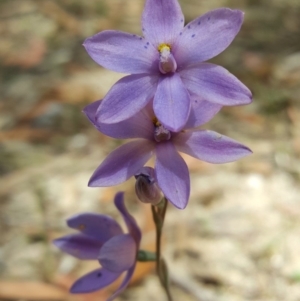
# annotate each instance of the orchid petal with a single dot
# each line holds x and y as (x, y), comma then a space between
(122, 52)
(172, 175)
(210, 146)
(172, 102)
(215, 84)
(94, 281)
(90, 112)
(126, 98)
(124, 284)
(79, 246)
(118, 254)
(130, 222)
(137, 126)
(207, 36)
(162, 21)
(122, 163)
(98, 226)
(201, 112)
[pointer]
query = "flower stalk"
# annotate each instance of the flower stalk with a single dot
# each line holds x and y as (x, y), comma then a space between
(158, 213)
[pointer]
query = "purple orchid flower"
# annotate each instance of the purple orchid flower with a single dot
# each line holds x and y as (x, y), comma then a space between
(171, 171)
(102, 238)
(168, 64)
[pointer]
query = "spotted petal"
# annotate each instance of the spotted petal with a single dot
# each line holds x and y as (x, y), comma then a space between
(79, 245)
(202, 111)
(94, 281)
(98, 226)
(207, 36)
(123, 285)
(122, 163)
(172, 175)
(122, 52)
(210, 146)
(215, 84)
(162, 21)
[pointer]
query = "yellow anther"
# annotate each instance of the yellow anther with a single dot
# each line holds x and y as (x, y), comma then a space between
(163, 47)
(155, 121)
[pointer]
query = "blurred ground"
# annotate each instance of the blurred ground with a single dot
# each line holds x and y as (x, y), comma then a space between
(238, 239)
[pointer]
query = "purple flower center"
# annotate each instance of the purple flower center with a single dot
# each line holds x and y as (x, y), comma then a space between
(167, 61)
(161, 133)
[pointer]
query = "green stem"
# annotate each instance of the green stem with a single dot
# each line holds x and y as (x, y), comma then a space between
(159, 213)
(145, 256)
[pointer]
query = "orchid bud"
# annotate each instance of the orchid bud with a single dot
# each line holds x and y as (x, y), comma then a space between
(146, 187)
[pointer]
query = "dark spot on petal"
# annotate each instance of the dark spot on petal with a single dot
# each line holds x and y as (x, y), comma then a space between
(189, 26)
(199, 22)
(193, 35)
(141, 38)
(181, 20)
(143, 29)
(181, 33)
(145, 47)
(208, 18)
(99, 274)
(148, 43)
(81, 227)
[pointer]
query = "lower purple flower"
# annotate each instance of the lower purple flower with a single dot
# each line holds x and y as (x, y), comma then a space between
(102, 239)
(171, 171)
